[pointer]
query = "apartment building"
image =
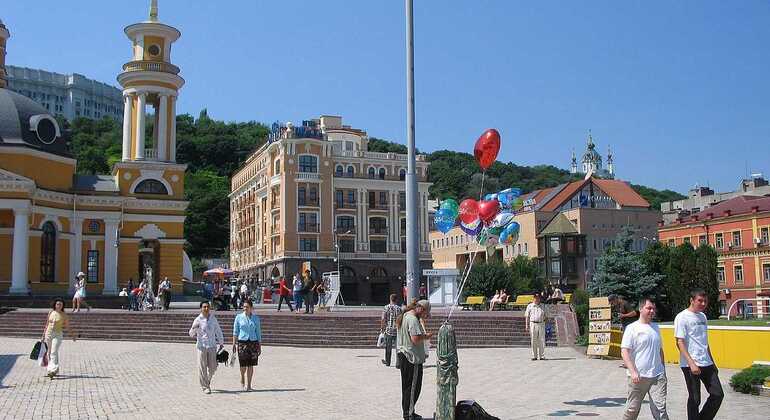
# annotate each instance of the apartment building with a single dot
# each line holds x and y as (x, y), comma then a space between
(314, 193)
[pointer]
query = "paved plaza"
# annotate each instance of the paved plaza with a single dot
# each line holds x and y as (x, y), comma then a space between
(102, 379)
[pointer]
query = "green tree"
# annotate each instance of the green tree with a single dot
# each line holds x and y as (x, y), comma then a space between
(657, 257)
(519, 276)
(706, 268)
(623, 272)
(207, 221)
(681, 277)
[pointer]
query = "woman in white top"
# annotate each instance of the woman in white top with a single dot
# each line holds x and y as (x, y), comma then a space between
(79, 298)
(495, 299)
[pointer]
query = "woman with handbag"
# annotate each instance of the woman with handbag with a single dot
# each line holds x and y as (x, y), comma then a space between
(247, 337)
(53, 334)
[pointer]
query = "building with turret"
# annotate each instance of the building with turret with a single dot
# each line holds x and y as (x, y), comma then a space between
(55, 223)
(591, 163)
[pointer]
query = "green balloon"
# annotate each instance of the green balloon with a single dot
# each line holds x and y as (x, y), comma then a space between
(496, 230)
(517, 203)
(451, 204)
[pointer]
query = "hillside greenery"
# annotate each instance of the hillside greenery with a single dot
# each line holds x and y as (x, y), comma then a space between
(214, 150)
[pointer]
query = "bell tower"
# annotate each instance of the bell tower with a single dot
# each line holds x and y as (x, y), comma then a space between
(150, 79)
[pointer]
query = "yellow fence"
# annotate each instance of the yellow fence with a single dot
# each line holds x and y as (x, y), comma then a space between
(732, 347)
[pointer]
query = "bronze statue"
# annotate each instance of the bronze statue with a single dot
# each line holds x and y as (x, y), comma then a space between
(446, 379)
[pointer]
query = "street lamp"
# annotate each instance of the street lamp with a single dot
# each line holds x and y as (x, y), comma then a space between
(337, 246)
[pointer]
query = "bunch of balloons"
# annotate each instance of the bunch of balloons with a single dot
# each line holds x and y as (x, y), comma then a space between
(490, 220)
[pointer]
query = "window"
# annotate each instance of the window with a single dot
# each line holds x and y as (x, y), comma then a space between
(719, 241)
(378, 246)
(151, 186)
(370, 172)
(402, 174)
(372, 201)
(277, 167)
(738, 270)
(686, 240)
(555, 246)
(766, 272)
(339, 198)
(737, 239)
(526, 251)
(48, 253)
(721, 275)
(383, 198)
(345, 223)
(308, 222)
(381, 173)
(308, 163)
(402, 200)
(764, 235)
(93, 266)
(403, 245)
(338, 170)
(313, 196)
(518, 251)
(351, 197)
(308, 244)
(301, 196)
(351, 172)
(555, 267)
(403, 226)
(378, 226)
(594, 244)
(703, 240)
(347, 245)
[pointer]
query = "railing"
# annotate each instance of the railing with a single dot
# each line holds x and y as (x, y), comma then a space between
(344, 205)
(378, 206)
(307, 254)
(373, 231)
(307, 203)
(375, 155)
(144, 65)
(346, 230)
(308, 176)
(150, 154)
(275, 180)
(308, 228)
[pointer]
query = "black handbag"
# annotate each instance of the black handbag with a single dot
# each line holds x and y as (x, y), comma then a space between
(471, 410)
(36, 350)
(223, 356)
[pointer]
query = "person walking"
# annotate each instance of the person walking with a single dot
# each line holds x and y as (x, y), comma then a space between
(390, 313)
(298, 293)
(244, 292)
(165, 293)
(642, 352)
(308, 288)
(53, 335)
(208, 336)
(79, 298)
(283, 294)
(247, 331)
(410, 336)
(320, 289)
(534, 323)
(695, 359)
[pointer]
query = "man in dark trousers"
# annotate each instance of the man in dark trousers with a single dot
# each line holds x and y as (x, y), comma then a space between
(411, 337)
(284, 294)
(695, 359)
(308, 287)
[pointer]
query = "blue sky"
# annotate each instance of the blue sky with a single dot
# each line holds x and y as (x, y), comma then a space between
(680, 90)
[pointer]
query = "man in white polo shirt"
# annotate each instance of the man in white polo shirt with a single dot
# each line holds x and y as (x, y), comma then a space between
(534, 323)
(691, 332)
(643, 356)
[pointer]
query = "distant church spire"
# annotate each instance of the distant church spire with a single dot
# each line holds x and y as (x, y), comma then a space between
(574, 166)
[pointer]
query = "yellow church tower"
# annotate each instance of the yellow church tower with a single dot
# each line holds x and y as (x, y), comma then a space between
(150, 79)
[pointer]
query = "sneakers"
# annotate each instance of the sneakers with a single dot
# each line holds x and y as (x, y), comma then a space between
(207, 390)
(384, 362)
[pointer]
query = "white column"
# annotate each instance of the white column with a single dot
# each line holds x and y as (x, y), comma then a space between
(76, 249)
(139, 152)
(19, 279)
(110, 257)
(162, 120)
(172, 135)
(127, 127)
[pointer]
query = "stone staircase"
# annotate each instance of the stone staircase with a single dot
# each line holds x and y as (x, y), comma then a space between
(348, 330)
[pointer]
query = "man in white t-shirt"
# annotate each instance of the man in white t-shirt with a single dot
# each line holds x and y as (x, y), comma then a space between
(691, 332)
(643, 356)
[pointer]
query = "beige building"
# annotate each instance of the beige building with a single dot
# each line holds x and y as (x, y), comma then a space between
(55, 222)
(313, 191)
(567, 228)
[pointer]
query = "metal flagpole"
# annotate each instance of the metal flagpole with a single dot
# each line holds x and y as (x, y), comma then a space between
(412, 229)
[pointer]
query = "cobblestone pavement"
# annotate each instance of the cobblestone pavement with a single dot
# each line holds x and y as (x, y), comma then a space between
(153, 380)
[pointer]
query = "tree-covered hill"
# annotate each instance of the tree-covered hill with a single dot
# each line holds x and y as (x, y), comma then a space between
(213, 151)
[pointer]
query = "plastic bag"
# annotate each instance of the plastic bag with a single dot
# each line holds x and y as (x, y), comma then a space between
(381, 340)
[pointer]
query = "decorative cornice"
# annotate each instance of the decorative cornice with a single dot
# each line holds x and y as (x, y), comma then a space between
(144, 204)
(153, 166)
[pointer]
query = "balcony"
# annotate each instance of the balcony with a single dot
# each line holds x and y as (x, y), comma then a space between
(344, 205)
(151, 154)
(375, 155)
(378, 231)
(346, 230)
(275, 180)
(144, 65)
(308, 176)
(308, 254)
(307, 203)
(308, 228)
(378, 206)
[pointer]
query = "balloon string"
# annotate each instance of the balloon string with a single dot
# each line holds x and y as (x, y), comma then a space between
(466, 274)
(481, 191)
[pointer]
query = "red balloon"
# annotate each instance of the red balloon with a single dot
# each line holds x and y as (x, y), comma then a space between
(487, 147)
(469, 211)
(488, 210)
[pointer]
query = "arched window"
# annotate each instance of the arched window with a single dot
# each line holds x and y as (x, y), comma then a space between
(378, 272)
(402, 174)
(338, 170)
(371, 173)
(48, 253)
(351, 171)
(382, 173)
(151, 186)
(347, 274)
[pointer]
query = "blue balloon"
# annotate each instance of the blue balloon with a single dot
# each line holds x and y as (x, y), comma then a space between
(510, 234)
(444, 220)
(489, 197)
(507, 196)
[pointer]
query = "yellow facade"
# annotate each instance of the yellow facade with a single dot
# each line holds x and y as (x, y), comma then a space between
(50, 174)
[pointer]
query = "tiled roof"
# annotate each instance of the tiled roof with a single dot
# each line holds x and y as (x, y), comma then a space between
(565, 194)
(743, 204)
(620, 191)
